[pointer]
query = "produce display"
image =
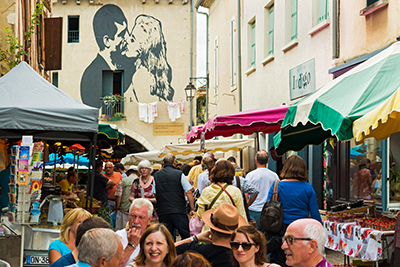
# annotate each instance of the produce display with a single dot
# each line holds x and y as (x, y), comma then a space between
(379, 222)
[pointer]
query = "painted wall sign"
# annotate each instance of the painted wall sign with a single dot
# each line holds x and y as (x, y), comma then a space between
(126, 51)
(160, 129)
(302, 79)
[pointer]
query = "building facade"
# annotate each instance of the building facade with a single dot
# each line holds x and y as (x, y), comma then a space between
(129, 58)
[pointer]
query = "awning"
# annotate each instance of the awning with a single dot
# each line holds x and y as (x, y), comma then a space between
(185, 152)
(331, 110)
(380, 122)
(210, 145)
(195, 133)
(110, 134)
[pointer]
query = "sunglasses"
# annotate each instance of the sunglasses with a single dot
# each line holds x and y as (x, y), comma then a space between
(245, 245)
(290, 239)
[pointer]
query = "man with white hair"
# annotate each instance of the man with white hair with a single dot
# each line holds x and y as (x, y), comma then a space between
(140, 215)
(303, 244)
(99, 247)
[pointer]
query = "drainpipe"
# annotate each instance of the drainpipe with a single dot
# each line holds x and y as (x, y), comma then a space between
(335, 29)
(207, 61)
(239, 56)
(191, 60)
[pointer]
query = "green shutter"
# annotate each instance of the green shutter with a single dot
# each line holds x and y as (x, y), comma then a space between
(322, 10)
(271, 31)
(370, 2)
(253, 44)
(294, 19)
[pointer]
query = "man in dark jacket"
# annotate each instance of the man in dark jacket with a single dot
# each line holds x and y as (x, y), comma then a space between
(170, 186)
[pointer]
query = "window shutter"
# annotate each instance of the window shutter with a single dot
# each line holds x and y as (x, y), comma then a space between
(253, 44)
(294, 19)
(370, 2)
(52, 43)
(322, 10)
(271, 31)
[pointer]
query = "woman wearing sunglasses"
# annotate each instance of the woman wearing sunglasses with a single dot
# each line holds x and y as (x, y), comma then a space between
(248, 248)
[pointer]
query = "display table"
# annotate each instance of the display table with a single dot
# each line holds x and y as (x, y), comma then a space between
(355, 241)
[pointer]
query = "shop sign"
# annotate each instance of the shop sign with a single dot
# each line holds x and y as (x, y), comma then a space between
(161, 129)
(302, 79)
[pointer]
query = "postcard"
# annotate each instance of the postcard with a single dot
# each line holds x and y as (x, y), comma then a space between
(24, 152)
(23, 165)
(23, 178)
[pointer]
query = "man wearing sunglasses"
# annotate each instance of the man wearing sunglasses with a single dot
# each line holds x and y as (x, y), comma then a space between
(303, 244)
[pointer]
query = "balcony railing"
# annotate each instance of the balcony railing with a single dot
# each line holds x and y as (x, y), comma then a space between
(112, 107)
(73, 36)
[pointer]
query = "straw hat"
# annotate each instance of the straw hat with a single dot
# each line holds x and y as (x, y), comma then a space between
(224, 219)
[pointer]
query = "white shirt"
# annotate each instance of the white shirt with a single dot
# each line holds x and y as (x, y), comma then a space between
(262, 179)
(124, 235)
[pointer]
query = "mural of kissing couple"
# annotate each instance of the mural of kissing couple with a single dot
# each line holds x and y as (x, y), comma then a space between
(120, 50)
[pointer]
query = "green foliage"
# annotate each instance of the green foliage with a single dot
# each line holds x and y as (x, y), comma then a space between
(201, 109)
(104, 213)
(119, 115)
(15, 52)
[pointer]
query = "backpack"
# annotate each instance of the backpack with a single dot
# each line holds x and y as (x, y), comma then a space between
(271, 218)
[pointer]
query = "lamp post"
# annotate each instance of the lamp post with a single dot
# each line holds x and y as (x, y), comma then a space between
(190, 92)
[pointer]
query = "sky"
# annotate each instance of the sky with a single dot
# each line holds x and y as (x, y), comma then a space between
(201, 46)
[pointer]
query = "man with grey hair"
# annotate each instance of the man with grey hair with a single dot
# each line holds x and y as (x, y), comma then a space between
(170, 186)
(99, 247)
(262, 178)
(140, 215)
(304, 243)
(195, 171)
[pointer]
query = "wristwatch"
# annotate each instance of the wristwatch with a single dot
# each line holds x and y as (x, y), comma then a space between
(132, 245)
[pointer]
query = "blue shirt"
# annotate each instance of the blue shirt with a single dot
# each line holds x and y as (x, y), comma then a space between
(60, 247)
(64, 261)
(79, 264)
(297, 199)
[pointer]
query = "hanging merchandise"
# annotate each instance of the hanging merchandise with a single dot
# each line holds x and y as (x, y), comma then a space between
(175, 109)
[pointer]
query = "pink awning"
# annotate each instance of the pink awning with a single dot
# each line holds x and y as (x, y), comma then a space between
(245, 122)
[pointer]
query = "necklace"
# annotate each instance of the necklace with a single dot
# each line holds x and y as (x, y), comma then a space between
(146, 181)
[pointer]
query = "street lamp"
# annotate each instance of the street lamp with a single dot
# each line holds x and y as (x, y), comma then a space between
(190, 91)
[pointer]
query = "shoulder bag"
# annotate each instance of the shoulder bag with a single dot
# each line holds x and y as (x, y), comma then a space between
(271, 218)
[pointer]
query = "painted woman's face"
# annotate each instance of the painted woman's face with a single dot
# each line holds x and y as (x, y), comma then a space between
(155, 248)
(244, 255)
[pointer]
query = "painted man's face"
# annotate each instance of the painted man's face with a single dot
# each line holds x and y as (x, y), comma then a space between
(119, 42)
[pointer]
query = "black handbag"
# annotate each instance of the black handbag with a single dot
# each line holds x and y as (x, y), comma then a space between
(271, 218)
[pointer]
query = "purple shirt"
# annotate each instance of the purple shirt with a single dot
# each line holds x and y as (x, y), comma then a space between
(324, 263)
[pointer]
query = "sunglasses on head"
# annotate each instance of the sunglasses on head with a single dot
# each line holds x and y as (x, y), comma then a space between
(245, 245)
(290, 239)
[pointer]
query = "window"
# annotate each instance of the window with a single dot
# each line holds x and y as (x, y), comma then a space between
(113, 86)
(293, 18)
(323, 10)
(233, 52)
(73, 29)
(54, 79)
(370, 2)
(216, 65)
(271, 31)
(253, 44)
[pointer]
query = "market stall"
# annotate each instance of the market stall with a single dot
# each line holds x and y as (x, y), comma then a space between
(357, 230)
(34, 110)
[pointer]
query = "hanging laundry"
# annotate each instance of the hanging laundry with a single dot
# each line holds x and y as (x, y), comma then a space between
(147, 111)
(142, 111)
(152, 111)
(175, 109)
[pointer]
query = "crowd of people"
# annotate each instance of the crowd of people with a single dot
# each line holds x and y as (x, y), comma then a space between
(154, 208)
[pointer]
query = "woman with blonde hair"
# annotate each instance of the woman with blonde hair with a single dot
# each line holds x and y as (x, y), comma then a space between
(66, 243)
(157, 248)
(249, 248)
